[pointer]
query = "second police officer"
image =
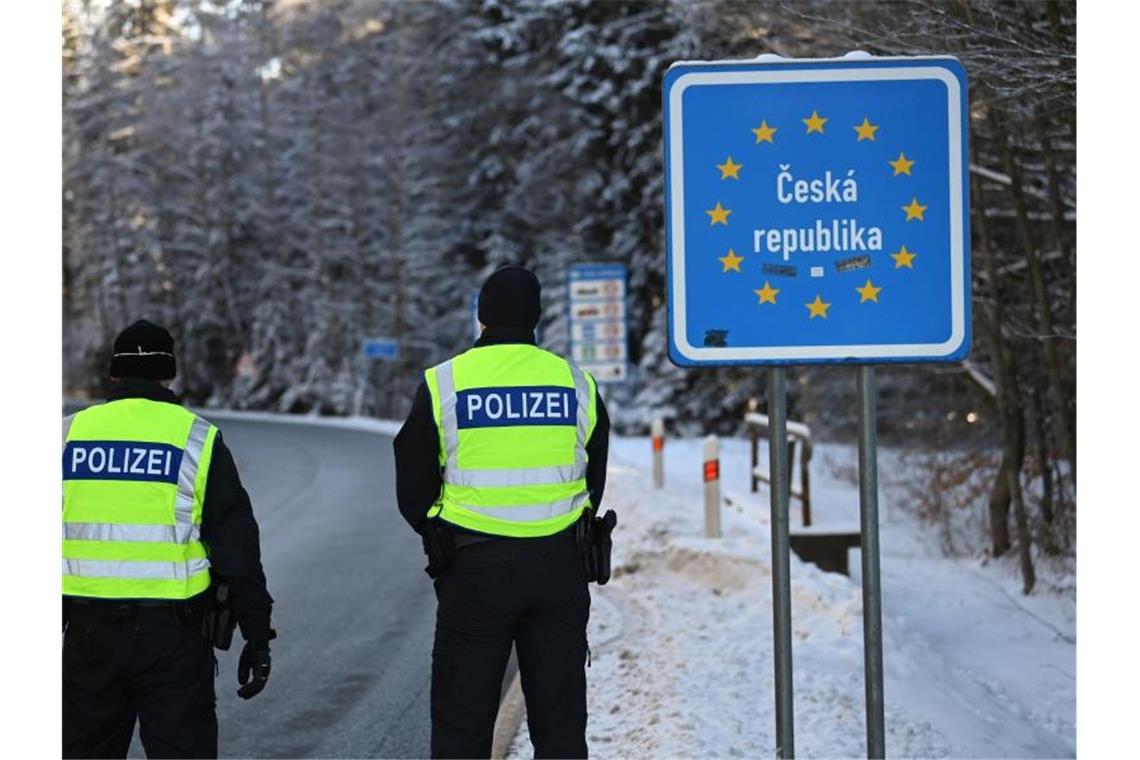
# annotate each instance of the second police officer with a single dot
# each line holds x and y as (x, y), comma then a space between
(500, 467)
(155, 519)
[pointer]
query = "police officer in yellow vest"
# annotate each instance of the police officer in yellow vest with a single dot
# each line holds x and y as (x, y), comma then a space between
(500, 463)
(154, 520)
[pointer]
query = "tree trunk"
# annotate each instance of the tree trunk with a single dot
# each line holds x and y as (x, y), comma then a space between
(1044, 462)
(1005, 382)
(1062, 428)
(1009, 471)
(1067, 252)
(1028, 577)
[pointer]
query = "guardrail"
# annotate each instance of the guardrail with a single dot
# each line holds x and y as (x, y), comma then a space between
(798, 432)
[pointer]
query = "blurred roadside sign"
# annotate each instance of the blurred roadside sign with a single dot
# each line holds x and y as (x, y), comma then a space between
(817, 211)
(598, 320)
(385, 349)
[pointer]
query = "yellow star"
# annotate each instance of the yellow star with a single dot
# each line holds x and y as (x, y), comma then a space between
(902, 165)
(866, 130)
(904, 258)
(767, 293)
(814, 123)
(817, 308)
(731, 261)
(729, 169)
(868, 292)
(764, 133)
(718, 215)
(914, 210)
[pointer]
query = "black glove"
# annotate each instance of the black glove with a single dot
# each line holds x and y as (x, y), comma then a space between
(253, 667)
(439, 546)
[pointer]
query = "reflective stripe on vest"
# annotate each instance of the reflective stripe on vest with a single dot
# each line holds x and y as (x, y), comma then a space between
(186, 530)
(533, 512)
(96, 568)
(119, 532)
(145, 539)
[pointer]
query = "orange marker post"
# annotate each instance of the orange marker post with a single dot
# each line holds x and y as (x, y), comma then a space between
(657, 431)
(711, 473)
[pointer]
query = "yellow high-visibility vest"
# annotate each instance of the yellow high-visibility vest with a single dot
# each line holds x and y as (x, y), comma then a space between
(513, 424)
(134, 480)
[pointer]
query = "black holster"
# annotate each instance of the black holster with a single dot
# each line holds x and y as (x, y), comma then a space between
(218, 620)
(439, 546)
(593, 536)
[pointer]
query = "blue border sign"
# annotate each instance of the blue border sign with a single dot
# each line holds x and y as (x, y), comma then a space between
(598, 321)
(385, 349)
(817, 211)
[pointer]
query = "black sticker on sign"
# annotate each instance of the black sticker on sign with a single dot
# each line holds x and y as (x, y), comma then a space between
(716, 338)
(855, 262)
(779, 270)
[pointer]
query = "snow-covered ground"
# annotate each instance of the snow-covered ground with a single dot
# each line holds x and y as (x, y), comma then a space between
(682, 635)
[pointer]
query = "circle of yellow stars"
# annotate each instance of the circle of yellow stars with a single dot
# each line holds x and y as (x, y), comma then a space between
(815, 124)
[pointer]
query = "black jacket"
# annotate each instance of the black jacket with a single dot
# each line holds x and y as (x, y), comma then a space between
(229, 529)
(418, 476)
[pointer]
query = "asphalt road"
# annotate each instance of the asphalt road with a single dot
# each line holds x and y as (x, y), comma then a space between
(354, 611)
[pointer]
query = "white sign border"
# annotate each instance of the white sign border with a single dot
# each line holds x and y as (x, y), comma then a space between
(704, 354)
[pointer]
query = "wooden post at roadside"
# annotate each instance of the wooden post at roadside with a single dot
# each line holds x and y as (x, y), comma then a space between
(805, 481)
(754, 435)
(754, 442)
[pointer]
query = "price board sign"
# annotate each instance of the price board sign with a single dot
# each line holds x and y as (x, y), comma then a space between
(598, 325)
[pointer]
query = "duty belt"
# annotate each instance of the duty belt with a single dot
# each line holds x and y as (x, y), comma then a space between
(464, 538)
(111, 603)
(467, 539)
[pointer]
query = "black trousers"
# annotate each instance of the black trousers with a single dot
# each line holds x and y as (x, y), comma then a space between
(529, 592)
(122, 662)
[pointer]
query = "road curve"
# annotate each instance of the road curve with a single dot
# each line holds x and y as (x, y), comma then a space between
(353, 609)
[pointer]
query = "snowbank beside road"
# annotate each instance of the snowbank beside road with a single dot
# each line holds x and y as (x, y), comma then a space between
(682, 636)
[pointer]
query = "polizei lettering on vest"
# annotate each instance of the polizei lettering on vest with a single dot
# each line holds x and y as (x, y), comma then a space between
(516, 405)
(121, 460)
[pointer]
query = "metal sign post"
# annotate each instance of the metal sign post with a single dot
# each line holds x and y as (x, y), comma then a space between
(872, 592)
(780, 489)
(817, 211)
(373, 349)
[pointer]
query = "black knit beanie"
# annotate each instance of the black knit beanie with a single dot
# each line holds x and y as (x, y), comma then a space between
(511, 297)
(144, 350)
